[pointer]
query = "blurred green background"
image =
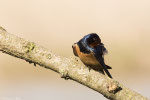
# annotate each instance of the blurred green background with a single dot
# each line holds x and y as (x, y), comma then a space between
(123, 25)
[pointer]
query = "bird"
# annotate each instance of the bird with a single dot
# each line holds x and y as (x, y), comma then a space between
(91, 52)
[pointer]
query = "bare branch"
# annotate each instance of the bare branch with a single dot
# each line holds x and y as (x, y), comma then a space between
(66, 67)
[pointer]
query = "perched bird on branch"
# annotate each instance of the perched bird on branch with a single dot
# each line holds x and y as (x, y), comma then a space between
(91, 52)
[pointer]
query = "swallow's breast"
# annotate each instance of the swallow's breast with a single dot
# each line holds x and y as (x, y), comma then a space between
(88, 59)
(74, 49)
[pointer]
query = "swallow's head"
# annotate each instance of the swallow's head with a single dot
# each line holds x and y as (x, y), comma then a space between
(93, 40)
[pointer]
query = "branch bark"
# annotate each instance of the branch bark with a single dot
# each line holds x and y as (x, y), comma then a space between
(67, 67)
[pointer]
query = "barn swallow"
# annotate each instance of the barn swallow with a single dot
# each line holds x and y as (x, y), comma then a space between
(91, 52)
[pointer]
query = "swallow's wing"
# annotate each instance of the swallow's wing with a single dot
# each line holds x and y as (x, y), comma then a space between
(103, 49)
(84, 46)
(98, 53)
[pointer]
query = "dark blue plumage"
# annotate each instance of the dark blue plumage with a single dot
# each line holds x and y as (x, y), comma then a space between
(91, 51)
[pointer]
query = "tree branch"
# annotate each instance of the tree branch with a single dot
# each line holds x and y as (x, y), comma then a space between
(66, 67)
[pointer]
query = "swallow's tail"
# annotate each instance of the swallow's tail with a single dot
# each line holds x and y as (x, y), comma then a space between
(108, 67)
